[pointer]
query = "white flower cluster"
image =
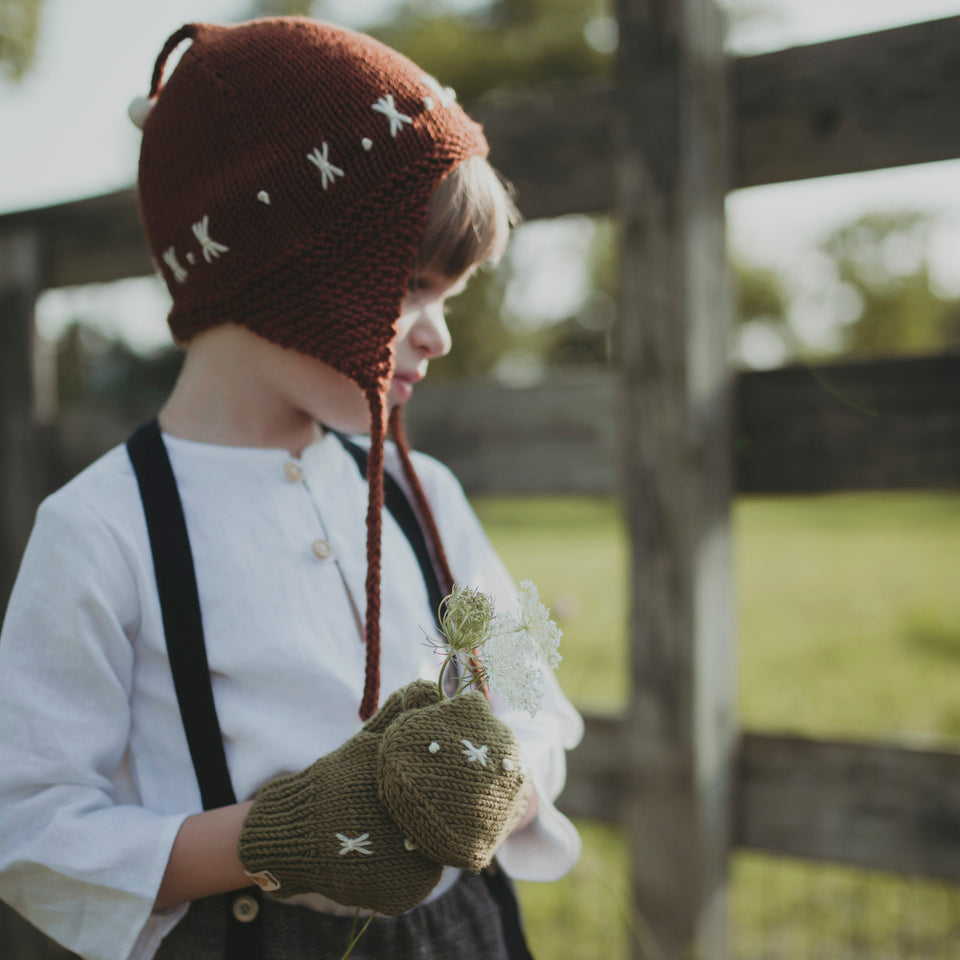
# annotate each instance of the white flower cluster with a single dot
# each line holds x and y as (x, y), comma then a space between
(504, 652)
(517, 649)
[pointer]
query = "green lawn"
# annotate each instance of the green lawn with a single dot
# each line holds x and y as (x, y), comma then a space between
(849, 627)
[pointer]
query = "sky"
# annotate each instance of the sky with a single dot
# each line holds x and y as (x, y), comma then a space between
(67, 136)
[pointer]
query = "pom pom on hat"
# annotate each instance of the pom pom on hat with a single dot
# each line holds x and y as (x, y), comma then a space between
(138, 110)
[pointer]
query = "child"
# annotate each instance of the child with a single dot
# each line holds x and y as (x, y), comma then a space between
(312, 198)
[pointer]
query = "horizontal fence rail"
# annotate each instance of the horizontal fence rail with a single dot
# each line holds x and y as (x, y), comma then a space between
(809, 111)
(880, 424)
(873, 806)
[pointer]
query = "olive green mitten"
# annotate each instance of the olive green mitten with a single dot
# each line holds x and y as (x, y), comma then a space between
(324, 830)
(451, 777)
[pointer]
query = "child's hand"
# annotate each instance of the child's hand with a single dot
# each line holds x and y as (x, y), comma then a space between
(450, 774)
(325, 830)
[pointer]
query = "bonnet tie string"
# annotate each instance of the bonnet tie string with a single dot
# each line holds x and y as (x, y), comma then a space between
(371, 687)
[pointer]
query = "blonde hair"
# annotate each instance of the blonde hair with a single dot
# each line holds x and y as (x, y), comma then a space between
(471, 214)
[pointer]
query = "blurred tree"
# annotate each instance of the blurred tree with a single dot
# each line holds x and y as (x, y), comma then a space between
(19, 29)
(92, 366)
(759, 294)
(761, 337)
(505, 45)
(276, 8)
(882, 264)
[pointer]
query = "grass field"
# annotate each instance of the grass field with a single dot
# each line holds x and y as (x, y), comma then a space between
(848, 627)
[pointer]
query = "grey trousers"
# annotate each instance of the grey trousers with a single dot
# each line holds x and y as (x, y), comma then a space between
(463, 924)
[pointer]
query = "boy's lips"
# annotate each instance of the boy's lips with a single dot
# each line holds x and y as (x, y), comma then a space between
(403, 383)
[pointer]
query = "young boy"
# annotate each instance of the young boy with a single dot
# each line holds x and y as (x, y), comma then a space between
(312, 199)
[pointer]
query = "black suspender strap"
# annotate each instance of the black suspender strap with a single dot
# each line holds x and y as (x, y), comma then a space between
(395, 500)
(180, 605)
(183, 629)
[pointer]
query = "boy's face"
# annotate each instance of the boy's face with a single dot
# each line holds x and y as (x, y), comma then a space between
(422, 333)
(321, 393)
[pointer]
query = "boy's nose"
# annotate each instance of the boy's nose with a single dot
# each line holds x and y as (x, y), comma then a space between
(430, 334)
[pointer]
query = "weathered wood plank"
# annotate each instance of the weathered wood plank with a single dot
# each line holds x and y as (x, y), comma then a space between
(809, 111)
(877, 806)
(94, 240)
(21, 469)
(880, 424)
(858, 425)
(564, 441)
(675, 310)
(869, 425)
(555, 144)
(871, 805)
(598, 772)
(878, 100)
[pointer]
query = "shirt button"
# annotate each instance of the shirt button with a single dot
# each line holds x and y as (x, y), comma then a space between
(245, 908)
(322, 549)
(293, 471)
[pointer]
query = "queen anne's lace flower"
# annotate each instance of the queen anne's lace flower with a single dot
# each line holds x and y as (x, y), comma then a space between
(544, 635)
(466, 616)
(505, 652)
(512, 672)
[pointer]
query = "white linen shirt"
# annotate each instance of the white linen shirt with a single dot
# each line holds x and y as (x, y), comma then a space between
(95, 772)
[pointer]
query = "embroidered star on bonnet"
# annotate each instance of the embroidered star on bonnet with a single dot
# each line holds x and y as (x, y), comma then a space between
(286, 169)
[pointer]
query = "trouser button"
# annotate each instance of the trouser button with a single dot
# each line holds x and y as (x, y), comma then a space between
(245, 908)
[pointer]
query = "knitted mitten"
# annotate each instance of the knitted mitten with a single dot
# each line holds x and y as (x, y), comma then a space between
(451, 777)
(324, 829)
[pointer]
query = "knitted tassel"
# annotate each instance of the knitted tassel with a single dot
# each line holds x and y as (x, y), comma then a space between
(371, 688)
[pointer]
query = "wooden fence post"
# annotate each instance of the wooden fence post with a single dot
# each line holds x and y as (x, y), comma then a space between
(20, 467)
(675, 387)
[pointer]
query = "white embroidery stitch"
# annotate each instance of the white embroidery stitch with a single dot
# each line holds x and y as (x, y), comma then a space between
(170, 259)
(407, 845)
(263, 196)
(191, 259)
(447, 95)
(507, 763)
(428, 102)
(328, 172)
(367, 144)
(211, 249)
(473, 753)
(356, 845)
(434, 747)
(386, 106)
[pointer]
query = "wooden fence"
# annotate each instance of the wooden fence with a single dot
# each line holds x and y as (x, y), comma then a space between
(674, 432)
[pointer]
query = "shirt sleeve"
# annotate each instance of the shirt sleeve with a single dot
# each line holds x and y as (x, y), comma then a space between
(549, 846)
(78, 857)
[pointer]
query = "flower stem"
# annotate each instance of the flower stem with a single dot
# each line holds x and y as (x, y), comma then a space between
(443, 670)
(354, 939)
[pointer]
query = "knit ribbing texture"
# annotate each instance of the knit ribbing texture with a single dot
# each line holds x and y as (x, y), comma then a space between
(452, 778)
(325, 829)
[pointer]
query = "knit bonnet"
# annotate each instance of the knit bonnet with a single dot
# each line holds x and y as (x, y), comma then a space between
(286, 169)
